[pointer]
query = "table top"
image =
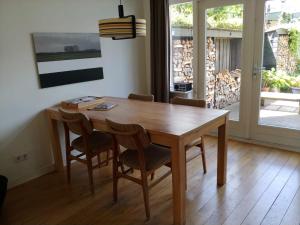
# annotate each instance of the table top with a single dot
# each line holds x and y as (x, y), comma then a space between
(153, 116)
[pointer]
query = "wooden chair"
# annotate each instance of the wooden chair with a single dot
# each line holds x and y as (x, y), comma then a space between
(148, 98)
(90, 143)
(140, 154)
(199, 142)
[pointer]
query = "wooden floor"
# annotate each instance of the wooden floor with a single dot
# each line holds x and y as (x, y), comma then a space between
(263, 188)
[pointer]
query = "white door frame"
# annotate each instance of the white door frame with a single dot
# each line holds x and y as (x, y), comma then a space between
(247, 128)
(239, 128)
(282, 136)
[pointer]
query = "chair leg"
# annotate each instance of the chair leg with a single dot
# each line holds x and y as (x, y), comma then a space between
(115, 168)
(122, 168)
(118, 151)
(115, 188)
(115, 181)
(107, 158)
(185, 171)
(146, 194)
(99, 160)
(152, 175)
(68, 168)
(131, 170)
(203, 156)
(90, 171)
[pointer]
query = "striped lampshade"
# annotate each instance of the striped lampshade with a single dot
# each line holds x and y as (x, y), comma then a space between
(122, 28)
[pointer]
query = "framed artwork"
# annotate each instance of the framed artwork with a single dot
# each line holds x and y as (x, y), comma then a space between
(66, 58)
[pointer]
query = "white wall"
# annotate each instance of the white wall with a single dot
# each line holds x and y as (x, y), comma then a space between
(148, 45)
(23, 125)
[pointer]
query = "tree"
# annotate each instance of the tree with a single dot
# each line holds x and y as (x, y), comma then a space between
(286, 17)
(226, 17)
(182, 14)
(185, 8)
(225, 12)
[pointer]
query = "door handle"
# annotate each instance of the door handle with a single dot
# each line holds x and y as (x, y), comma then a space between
(257, 70)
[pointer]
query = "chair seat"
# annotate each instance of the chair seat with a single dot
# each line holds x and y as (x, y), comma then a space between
(155, 156)
(193, 143)
(98, 142)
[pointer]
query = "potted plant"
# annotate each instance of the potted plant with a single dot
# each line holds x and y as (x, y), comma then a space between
(265, 88)
(271, 80)
(296, 90)
(281, 83)
(267, 76)
(277, 81)
(295, 85)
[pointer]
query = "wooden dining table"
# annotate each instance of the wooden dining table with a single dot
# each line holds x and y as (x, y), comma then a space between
(167, 124)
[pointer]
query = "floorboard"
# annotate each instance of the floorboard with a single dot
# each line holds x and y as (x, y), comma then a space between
(263, 187)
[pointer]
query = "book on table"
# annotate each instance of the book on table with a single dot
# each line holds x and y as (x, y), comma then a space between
(103, 106)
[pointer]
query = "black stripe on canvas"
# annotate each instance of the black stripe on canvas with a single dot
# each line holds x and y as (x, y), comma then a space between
(70, 77)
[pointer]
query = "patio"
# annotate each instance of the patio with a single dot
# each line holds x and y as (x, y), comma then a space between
(275, 113)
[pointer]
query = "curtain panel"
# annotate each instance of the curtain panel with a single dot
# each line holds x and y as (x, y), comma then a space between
(160, 49)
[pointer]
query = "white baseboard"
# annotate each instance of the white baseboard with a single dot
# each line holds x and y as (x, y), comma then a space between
(267, 144)
(50, 168)
(262, 143)
(40, 172)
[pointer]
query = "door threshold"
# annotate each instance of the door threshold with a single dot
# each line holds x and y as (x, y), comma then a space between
(263, 143)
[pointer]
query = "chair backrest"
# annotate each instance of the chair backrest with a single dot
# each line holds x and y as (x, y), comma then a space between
(76, 122)
(189, 102)
(147, 98)
(130, 136)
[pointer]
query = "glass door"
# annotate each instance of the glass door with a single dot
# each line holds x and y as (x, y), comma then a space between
(276, 72)
(224, 38)
(182, 48)
(243, 56)
(223, 66)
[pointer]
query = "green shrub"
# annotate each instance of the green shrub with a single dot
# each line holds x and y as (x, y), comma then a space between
(295, 82)
(267, 77)
(298, 66)
(294, 40)
(279, 79)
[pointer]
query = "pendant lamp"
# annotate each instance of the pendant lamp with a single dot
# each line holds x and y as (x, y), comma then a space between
(124, 27)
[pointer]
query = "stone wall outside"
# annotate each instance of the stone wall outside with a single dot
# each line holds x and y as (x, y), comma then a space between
(222, 89)
(285, 59)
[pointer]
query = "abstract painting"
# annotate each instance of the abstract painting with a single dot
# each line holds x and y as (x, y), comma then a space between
(65, 58)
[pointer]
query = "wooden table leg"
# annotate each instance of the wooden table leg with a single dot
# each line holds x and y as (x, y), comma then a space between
(55, 141)
(178, 181)
(222, 153)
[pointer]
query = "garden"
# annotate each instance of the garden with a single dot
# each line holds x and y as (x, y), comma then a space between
(284, 74)
(280, 80)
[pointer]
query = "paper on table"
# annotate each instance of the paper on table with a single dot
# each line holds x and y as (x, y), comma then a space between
(103, 106)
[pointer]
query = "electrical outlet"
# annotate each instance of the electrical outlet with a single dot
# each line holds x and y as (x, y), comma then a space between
(21, 158)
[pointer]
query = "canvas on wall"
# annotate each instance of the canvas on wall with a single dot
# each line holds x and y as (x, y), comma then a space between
(66, 58)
